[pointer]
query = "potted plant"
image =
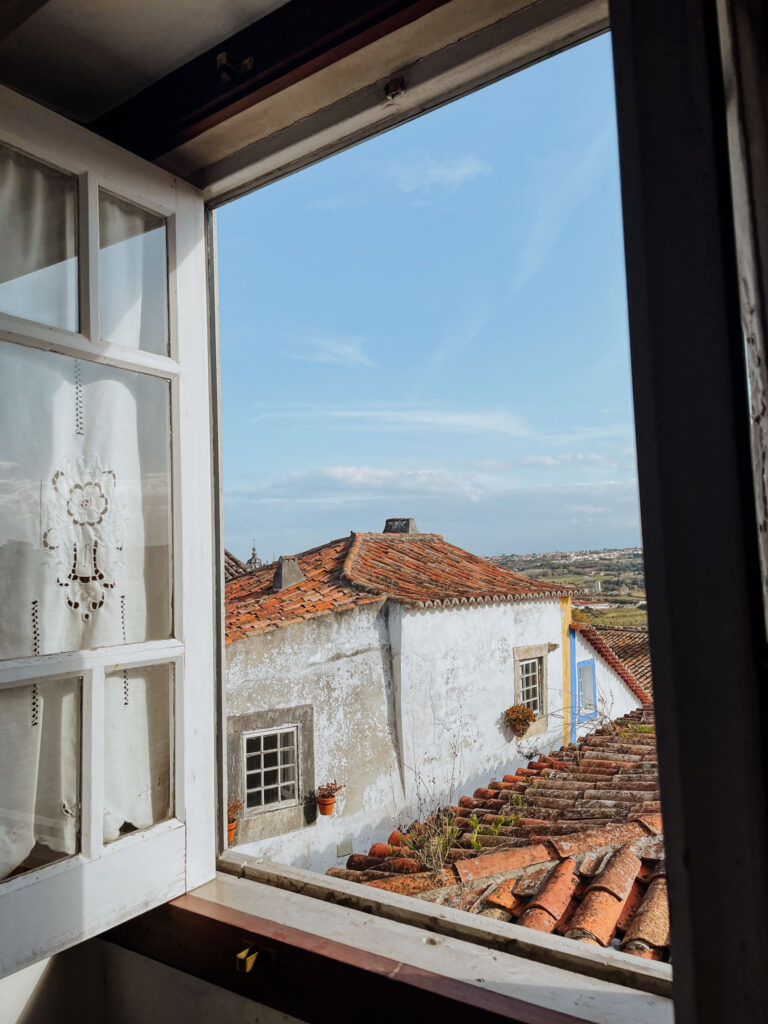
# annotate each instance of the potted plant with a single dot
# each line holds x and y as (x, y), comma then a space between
(326, 796)
(519, 718)
(233, 813)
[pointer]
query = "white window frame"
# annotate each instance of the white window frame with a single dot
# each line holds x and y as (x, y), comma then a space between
(539, 696)
(280, 803)
(49, 909)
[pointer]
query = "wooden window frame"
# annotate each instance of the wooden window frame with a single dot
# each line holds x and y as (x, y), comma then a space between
(49, 909)
(681, 171)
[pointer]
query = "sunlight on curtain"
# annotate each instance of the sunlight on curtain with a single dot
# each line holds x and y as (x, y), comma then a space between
(39, 774)
(38, 254)
(85, 505)
(133, 291)
(138, 749)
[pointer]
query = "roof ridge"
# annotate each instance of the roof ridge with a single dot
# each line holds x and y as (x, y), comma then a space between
(610, 656)
(301, 554)
(351, 558)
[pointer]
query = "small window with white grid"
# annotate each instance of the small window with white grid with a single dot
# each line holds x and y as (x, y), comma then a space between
(531, 672)
(271, 768)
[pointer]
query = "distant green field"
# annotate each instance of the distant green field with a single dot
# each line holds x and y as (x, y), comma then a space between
(612, 616)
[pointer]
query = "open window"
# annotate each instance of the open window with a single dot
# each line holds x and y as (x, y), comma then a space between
(105, 665)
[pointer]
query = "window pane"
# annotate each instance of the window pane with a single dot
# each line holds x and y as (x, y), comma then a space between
(39, 774)
(270, 742)
(133, 276)
(38, 255)
(253, 799)
(85, 505)
(138, 749)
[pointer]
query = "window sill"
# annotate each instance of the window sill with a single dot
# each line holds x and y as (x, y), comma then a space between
(605, 965)
(367, 963)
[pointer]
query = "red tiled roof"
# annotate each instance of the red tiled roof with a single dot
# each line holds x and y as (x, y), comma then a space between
(584, 857)
(622, 655)
(631, 645)
(418, 569)
(251, 606)
(233, 567)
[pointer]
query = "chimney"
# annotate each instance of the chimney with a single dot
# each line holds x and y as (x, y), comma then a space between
(287, 573)
(400, 526)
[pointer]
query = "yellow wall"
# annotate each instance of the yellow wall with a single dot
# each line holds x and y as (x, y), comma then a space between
(565, 622)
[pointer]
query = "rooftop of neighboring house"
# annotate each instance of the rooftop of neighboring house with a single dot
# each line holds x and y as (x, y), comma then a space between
(419, 569)
(627, 650)
(233, 567)
(571, 845)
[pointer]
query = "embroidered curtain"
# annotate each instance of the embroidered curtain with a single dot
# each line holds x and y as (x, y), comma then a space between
(85, 518)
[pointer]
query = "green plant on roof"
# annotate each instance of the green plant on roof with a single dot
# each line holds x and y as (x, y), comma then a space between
(517, 800)
(474, 821)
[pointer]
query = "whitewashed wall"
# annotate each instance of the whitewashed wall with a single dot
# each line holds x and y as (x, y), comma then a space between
(614, 697)
(456, 679)
(341, 665)
(408, 709)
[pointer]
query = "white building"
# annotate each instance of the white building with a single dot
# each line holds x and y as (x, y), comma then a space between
(386, 661)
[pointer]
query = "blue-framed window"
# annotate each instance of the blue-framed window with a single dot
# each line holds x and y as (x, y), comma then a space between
(586, 688)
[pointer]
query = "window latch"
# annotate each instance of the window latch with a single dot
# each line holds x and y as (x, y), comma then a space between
(245, 959)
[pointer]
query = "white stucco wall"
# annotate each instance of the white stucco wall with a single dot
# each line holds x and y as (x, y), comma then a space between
(340, 664)
(456, 679)
(614, 697)
(408, 709)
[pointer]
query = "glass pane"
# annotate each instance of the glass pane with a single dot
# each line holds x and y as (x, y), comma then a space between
(85, 505)
(253, 744)
(270, 742)
(270, 760)
(253, 800)
(138, 749)
(286, 739)
(39, 774)
(287, 774)
(270, 777)
(253, 780)
(253, 762)
(271, 796)
(38, 255)
(133, 276)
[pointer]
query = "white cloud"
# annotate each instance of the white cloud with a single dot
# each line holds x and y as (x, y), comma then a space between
(569, 459)
(425, 175)
(559, 197)
(497, 421)
(340, 351)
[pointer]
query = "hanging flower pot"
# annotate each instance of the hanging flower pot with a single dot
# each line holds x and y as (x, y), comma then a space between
(325, 804)
(519, 718)
(326, 796)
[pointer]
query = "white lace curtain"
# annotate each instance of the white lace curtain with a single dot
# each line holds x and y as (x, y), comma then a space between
(84, 544)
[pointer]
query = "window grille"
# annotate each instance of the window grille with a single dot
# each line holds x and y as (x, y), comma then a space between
(271, 768)
(531, 673)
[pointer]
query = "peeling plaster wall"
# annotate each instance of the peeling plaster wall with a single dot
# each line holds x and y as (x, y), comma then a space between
(341, 664)
(408, 709)
(457, 677)
(614, 697)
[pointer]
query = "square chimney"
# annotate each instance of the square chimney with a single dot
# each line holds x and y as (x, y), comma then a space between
(400, 526)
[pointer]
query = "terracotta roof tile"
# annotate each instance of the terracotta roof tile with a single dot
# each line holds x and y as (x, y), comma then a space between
(417, 569)
(627, 650)
(233, 567)
(590, 868)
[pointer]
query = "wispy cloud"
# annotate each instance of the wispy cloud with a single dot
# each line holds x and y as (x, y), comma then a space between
(339, 351)
(564, 187)
(569, 459)
(496, 421)
(427, 175)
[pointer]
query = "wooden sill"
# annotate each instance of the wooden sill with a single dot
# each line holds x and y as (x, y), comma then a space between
(318, 961)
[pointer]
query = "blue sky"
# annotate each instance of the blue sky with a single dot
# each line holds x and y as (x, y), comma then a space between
(433, 324)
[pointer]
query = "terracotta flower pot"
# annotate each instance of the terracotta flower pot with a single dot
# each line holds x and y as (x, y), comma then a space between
(231, 826)
(325, 804)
